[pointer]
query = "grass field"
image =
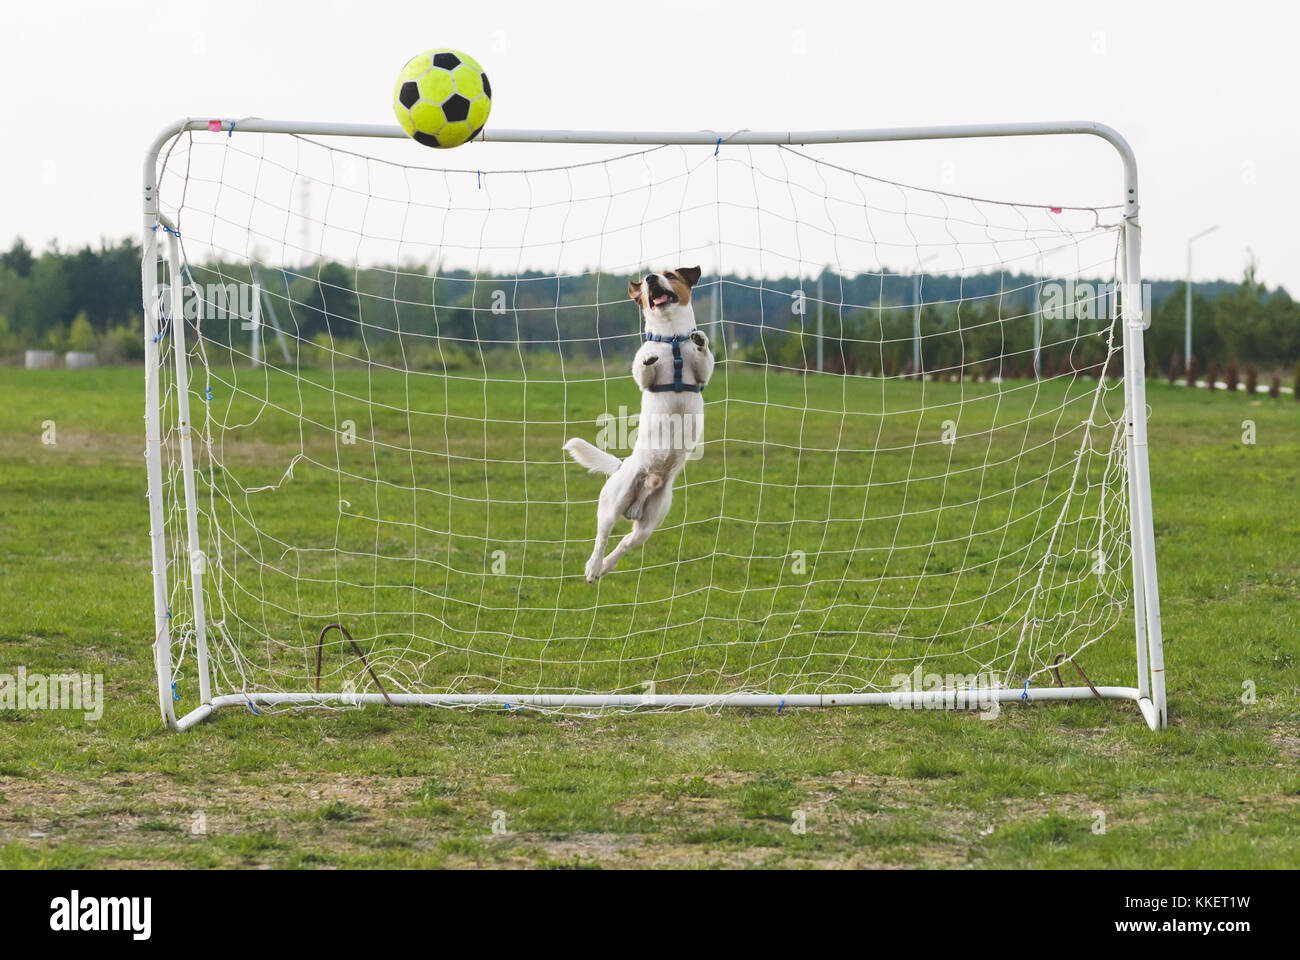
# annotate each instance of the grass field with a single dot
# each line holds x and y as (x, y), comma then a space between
(827, 539)
(381, 787)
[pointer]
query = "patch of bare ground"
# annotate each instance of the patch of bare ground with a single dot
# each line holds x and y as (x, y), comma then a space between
(1287, 745)
(120, 803)
(853, 820)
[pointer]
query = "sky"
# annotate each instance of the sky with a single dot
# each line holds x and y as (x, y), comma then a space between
(1204, 92)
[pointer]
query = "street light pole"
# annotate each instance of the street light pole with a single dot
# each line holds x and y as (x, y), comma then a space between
(916, 317)
(1038, 319)
(1187, 325)
(819, 320)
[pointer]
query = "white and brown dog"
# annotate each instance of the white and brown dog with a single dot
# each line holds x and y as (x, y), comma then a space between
(671, 368)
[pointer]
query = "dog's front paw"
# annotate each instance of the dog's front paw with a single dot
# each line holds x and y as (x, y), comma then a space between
(595, 567)
(700, 340)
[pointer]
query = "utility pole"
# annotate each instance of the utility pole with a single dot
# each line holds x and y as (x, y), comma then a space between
(819, 321)
(1038, 320)
(255, 325)
(304, 219)
(916, 317)
(1187, 325)
(715, 305)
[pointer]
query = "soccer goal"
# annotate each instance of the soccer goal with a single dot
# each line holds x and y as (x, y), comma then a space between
(921, 481)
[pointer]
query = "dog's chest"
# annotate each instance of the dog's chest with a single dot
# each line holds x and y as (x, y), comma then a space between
(663, 370)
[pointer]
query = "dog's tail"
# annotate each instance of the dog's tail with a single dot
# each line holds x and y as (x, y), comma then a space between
(593, 458)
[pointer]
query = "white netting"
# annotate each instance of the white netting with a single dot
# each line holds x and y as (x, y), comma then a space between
(430, 337)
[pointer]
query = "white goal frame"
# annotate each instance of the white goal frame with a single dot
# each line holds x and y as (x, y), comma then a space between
(1149, 689)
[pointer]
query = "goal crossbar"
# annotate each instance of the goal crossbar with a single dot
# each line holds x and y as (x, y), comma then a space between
(1148, 693)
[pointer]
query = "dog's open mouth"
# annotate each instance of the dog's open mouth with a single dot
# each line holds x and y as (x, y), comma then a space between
(661, 298)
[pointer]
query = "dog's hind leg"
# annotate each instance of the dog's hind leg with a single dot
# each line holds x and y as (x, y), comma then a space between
(613, 495)
(652, 514)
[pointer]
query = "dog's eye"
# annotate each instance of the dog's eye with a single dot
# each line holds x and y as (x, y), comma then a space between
(671, 276)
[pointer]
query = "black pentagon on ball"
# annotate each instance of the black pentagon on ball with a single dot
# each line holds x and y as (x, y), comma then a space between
(487, 87)
(475, 134)
(409, 94)
(455, 107)
(426, 139)
(448, 61)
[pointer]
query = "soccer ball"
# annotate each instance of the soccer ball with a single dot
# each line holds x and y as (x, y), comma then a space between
(442, 98)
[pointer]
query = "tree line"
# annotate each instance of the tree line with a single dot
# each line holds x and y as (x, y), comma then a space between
(89, 299)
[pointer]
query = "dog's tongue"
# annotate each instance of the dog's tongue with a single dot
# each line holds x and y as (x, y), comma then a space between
(661, 300)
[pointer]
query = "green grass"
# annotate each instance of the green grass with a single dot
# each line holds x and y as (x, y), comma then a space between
(378, 787)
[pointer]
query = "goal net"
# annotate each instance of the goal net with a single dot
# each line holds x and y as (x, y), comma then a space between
(915, 476)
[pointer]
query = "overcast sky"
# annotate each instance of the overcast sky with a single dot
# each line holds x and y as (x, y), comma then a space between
(1205, 92)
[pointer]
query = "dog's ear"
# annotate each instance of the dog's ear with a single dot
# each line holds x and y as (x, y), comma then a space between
(690, 274)
(634, 289)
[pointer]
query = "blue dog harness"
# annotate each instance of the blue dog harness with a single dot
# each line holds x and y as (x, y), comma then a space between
(677, 386)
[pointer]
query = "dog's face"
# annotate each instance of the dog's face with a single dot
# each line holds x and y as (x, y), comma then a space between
(659, 293)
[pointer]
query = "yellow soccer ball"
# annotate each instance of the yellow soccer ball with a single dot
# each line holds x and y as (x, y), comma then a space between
(442, 98)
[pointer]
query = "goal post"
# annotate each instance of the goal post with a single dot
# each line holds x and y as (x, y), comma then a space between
(920, 500)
